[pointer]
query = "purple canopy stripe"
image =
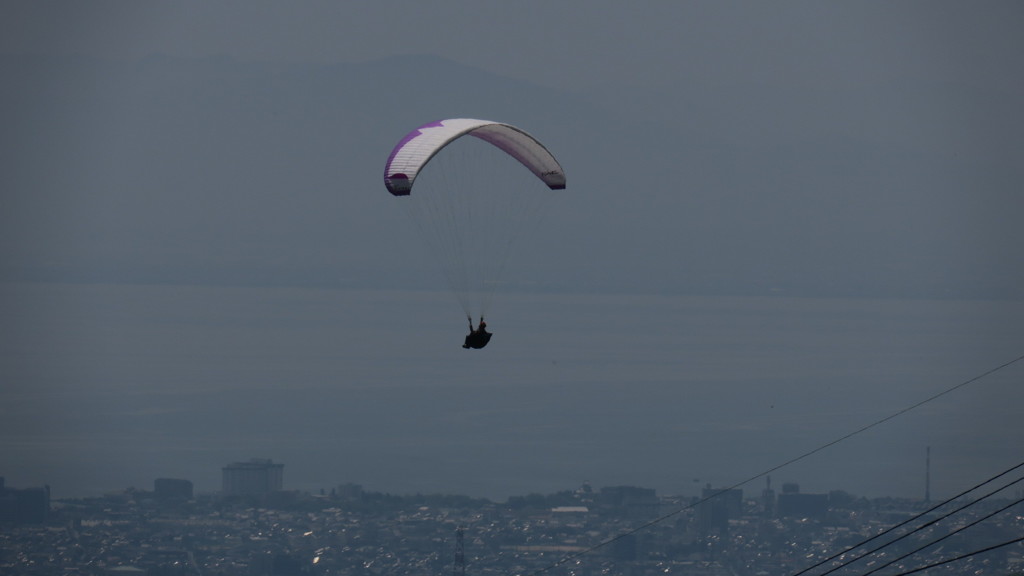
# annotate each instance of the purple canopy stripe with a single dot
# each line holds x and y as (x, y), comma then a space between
(417, 148)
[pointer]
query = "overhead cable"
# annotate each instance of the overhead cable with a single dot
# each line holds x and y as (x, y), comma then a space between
(794, 460)
(912, 519)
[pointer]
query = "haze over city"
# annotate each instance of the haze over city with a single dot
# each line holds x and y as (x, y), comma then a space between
(783, 222)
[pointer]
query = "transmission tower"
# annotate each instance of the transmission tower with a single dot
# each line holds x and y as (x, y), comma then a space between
(928, 475)
(459, 569)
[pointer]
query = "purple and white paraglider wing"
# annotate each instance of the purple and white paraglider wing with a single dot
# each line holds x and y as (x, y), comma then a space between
(417, 148)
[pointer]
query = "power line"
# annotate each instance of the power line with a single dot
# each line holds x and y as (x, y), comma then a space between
(794, 460)
(961, 557)
(937, 540)
(912, 519)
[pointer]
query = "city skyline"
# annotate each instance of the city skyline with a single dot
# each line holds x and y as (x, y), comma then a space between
(617, 528)
(257, 476)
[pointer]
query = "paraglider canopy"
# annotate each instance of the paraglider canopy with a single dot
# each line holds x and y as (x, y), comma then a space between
(420, 145)
(470, 198)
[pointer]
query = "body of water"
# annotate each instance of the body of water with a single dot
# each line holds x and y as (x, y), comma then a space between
(110, 386)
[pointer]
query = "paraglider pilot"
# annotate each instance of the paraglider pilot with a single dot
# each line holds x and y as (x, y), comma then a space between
(477, 338)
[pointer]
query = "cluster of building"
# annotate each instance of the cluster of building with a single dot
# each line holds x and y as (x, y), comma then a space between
(23, 505)
(255, 528)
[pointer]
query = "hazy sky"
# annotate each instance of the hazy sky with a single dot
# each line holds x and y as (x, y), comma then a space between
(571, 45)
(788, 161)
